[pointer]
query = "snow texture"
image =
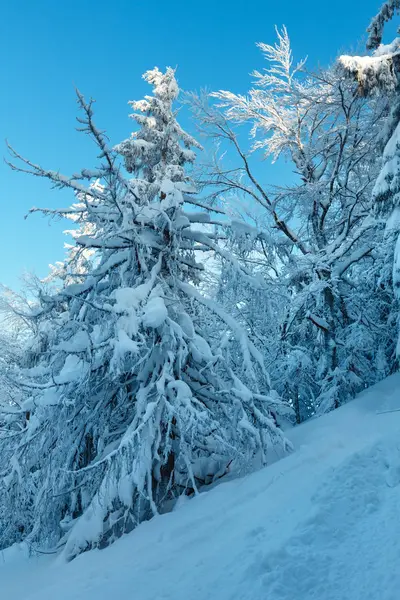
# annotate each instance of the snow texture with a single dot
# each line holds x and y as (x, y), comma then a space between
(322, 523)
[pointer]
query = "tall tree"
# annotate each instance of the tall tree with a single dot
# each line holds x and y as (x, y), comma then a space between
(319, 243)
(378, 74)
(130, 391)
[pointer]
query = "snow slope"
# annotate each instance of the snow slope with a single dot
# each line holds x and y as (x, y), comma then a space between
(323, 523)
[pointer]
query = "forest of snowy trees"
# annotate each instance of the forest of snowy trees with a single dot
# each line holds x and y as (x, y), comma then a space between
(199, 312)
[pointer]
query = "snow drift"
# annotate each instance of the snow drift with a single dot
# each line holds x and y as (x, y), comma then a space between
(321, 523)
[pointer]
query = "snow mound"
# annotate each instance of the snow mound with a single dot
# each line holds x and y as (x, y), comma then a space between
(322, 523)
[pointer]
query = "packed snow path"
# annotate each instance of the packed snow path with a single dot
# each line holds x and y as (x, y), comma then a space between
(323, 523)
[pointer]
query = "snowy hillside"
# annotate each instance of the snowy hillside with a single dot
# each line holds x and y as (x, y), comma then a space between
(323, 523)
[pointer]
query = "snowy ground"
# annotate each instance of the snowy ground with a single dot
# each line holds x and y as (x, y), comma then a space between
(323, 523)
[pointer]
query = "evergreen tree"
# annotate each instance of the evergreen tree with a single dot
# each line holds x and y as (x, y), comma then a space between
(130, 399)
(379, 75)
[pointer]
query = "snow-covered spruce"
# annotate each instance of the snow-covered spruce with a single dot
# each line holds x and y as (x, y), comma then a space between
(379, 74)
(130, 399)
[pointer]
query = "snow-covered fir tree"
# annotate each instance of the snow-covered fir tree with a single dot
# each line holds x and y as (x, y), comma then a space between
(378, 74)
(137, 387)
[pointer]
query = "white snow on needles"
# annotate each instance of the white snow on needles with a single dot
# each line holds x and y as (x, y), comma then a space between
(323, 523)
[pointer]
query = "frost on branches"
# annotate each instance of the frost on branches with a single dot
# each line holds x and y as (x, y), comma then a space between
(137, 388)
(320, 251)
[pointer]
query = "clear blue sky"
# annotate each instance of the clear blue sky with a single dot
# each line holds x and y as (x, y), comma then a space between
(103, 47)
